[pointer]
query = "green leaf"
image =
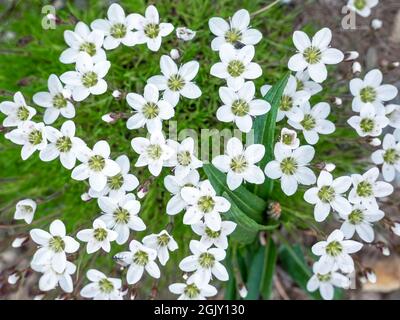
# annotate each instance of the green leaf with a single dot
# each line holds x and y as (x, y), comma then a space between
(292, 261)
(255, 275)
(230, 290)
(247, 229)
(269, 268)
(264, 130)
(249, 203)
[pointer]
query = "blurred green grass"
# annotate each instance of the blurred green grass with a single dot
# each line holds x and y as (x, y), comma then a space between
(29, 54)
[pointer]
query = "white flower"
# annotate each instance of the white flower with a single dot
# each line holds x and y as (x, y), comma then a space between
(24, 210)
(154, 152)
(371, 91)
(290, 101)
(288, 138)
(314, 121)
(162, 243)
(366, 189)
(369, 122)
(184, 159)
(31, 135)
(329, 194)
(51, 278)
(190, 291)
(55, 101)
(240, 106)
(359, 220)
(204, 262)
(217, 238)
(304, 83)
(174, 185)
(98, 237)
(117, 29)
(236, 66)
(139, 258)
(88, 77)
(83, 40)
(240, 164)
(120, 215)
(335, 253)
(314, 54)
(102, 287)
(362, 7)
(204, 202)
(96, 165)
(150, 110)
(176, 82)
(236, 31)
(326, 282)
(388, 157)
(120, 184)
(63, 144)
(185, 34)
(17, 112)
(53, 246)
(392, 112)
(291, 167)
(149, 29)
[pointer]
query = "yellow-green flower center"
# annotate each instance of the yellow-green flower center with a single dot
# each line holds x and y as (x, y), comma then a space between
(154, 151)
(206, 260)
(312, 55)
(391, 156)
(163, 240)
(141, 258)
(96, 163)
(324, 277)
(121, 215)
(191, 291)
(35, 137)
(64, 144)
(367, 125)
(334, 248)
(286, 103)
(300, 85)
(106, 286)
(23, 113)
(360, 4)
(175, 82)
(118, 30)
(115, 182)
(326, 194)
(150, 110)
(308, 122)
(236, 68)
(368, 95)
(100, 234)
(57, 244)
(184, 158)
(289, 166)
(89, 48)
(287, 138)
(89, 79)
(59, 101)
(356, 216)
(152, 30)
(240, 108)
(212, 234)
(233, 35)
(206, 204)
(239, 164)
(364, 189)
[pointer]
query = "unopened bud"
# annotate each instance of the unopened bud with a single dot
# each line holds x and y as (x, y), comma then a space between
(243, 291)
(376, 24)
(174, 53)
(385, 251)
(38, 297)
(108, 118)
(18, 242)
(330, 167)
(185, 276)
(356, 68)
(394, 65)
(142, 192)
(263, 238)
(51, 16)
(13, 278)
(85, 197)
(396, 229)
(337, 101)
(375, 142)
(371, 276)
(274, 210)
(351, 55)
(116, 94)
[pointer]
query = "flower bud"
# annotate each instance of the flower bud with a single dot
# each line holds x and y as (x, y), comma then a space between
(85, 197)
(396, 229)
(274, 210)
(13, 278)
(242, 291)
(385, 251)
(375, 142)
(18, 242)
(371, 276)
(174, 53)
(376, 24)
(330, 167)
(356, 68)
(351, 55)
(108, 118)
(337, 101)
(116, 94)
